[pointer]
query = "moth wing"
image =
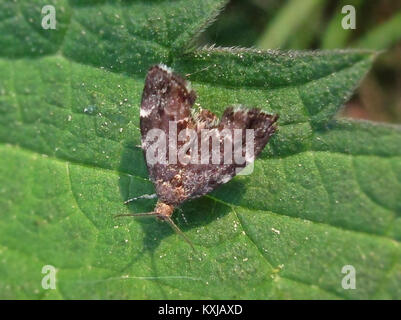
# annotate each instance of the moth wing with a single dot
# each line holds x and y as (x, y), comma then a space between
(211, 176)
(166, 97)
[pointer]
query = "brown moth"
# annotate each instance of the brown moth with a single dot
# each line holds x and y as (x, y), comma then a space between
(167, 100)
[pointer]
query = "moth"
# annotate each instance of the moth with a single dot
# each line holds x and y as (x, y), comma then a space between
(168, 100)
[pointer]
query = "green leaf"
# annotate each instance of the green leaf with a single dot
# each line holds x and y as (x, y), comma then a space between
(324, 194)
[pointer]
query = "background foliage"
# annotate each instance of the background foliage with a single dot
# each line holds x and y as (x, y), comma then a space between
(316, 24)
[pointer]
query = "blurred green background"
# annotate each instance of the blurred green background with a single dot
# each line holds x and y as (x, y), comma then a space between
(316, 24)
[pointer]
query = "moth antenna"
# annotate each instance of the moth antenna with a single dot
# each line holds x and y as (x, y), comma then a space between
(145, 214)
(145, 196)
(176, 229)
(203, 69)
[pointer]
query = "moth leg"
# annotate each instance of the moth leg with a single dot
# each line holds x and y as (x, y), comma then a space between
(178, 231)
(145, 196)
